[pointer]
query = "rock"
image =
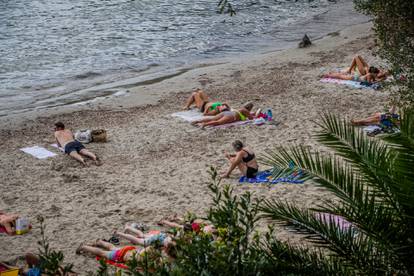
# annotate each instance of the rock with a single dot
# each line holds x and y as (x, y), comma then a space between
(305, 42)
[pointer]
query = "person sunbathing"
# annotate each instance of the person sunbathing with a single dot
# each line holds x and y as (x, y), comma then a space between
(196, 226)
(227, 117)
(145, 239)
(8, 222)
(75, 149)
(244, 159)
(377, 118)
(110, 252)
(200, 100)
(360, 71)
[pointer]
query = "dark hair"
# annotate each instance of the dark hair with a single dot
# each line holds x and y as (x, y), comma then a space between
(373, 70)
(60, 125)
(238, 145)
(248, 106)
(187, 227)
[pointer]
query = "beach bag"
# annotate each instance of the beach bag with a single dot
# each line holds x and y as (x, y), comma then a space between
(99, 136)
(84, 136)
(22, 226)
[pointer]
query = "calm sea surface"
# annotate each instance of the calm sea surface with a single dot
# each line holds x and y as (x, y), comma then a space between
(52, 50)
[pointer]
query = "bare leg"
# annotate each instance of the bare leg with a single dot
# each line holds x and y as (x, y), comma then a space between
(339, 76)
(94, 250)
(242, 166)
(362, 65)
(136, 232)
(78, 157)
(222, 121)
(105, 245)
(375, 119)
(89, 154)
(198, 98)
(130, 238)
(208, 119)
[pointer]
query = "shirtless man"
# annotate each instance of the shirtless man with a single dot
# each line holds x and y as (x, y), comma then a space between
(75, 149)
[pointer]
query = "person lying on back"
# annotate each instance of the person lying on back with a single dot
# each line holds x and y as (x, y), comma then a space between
(75, 149)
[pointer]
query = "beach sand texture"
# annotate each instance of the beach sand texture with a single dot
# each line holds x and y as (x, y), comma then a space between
(156, 165)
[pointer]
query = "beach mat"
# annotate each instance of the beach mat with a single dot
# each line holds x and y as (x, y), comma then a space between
(266, 177)
(350, 83)
(189, 115)
(238, 123)
(38, 152)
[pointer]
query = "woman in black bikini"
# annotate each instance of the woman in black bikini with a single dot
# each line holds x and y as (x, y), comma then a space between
(244, 159)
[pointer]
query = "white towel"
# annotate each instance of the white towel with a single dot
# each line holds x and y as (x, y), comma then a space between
(38, 152)
(189, 115)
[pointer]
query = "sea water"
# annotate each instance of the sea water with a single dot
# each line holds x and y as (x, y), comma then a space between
(52, 51)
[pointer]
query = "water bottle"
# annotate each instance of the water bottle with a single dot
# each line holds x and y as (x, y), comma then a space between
(269, 114)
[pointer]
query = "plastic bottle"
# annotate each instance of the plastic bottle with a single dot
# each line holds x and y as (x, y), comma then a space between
(269, 114)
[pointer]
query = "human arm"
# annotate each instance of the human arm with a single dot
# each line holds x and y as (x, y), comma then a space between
(234, 162)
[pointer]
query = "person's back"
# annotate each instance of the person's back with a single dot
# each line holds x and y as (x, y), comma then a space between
(64, 136)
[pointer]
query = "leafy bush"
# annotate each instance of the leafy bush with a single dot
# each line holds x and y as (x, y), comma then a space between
(393, 26)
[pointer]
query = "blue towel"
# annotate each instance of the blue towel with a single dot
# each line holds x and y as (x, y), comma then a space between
(265, 177)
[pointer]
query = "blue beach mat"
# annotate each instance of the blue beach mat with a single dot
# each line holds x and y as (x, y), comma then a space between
(266, 177)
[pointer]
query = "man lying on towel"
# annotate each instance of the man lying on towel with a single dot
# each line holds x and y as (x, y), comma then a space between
(73, 148)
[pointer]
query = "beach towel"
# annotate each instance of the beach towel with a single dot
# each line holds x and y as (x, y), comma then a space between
(353, 84)
(189, 115)
(38, 152)
(266, 177)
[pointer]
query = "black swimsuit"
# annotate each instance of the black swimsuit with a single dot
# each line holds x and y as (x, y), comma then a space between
(251, 172)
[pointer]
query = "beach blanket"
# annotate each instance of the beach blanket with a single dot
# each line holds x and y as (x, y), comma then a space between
(266, 177)
(350, 83)
(38, 152)
(189, 115)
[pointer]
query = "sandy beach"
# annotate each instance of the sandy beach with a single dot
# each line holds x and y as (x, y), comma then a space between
(156, 165)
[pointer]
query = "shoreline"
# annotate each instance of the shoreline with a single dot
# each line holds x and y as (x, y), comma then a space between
(156, 165)
(118, 93)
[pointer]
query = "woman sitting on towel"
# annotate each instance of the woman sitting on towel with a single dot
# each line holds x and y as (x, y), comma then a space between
(244, 159)
(227, 117)
(8, 222)
(200, 100)
(360, 71)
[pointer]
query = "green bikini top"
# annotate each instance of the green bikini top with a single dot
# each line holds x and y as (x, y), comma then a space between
(215, 105)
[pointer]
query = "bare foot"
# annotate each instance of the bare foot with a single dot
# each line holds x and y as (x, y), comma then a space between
(98, 161)
(79, 249)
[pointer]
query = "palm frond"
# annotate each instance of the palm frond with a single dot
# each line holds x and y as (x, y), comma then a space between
(354, 248)
(298, 260)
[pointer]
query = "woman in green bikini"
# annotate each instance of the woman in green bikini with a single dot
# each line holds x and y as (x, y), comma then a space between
(200, 100)
(227, 117)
